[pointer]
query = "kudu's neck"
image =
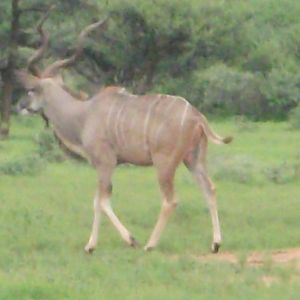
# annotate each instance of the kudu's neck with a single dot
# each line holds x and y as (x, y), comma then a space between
(66, 114)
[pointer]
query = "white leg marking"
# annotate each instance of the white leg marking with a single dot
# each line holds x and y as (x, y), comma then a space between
(209, 191)
(91, 245)
(107, 209)
(165, 212)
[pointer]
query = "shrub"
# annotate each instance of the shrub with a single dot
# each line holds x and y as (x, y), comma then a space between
(296, 166)
(223, 90)
(262, 58)
(280, 174)
(29, 165)
(238, 169)
(244, 124)
(294, 118)
(48, 147)
(25, 121)
(226, 90)
(281, 90)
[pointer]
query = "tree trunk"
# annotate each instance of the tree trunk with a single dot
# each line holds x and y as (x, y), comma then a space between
(7, 72)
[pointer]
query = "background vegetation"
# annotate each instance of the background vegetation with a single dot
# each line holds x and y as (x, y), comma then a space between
(226, 57)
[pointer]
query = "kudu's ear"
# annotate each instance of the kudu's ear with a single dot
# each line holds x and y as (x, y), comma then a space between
(28, 81)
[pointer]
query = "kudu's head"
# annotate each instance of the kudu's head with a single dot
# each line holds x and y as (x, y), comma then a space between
(35, 81)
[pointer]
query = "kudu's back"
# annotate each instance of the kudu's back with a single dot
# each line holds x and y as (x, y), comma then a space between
(136, 127)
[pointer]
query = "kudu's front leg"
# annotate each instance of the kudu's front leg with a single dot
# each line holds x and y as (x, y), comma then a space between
(102, 204)
(91, 245)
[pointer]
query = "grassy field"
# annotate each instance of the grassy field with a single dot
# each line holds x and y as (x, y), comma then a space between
(46, 218)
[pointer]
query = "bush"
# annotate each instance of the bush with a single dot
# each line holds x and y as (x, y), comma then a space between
(262, 58)
(244, 124)
(280, 174)
(48, 147)
(294, 118)
(281, 90)
(240, 169)
(29, 165)
(225, 90)
(26, 121)
(296, 167)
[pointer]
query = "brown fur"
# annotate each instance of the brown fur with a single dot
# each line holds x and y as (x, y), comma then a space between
(116, 127)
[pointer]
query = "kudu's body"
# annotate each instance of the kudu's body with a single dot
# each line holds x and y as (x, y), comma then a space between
(134, 128)
(115, 127)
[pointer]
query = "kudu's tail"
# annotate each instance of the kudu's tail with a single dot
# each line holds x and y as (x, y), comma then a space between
(211, 135)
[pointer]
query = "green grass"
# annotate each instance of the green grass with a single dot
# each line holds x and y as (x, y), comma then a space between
(46, 219)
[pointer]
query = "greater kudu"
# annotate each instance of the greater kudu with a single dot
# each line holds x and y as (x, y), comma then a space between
(115, 127)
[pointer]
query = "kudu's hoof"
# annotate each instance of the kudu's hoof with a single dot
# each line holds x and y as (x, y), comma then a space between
(133, 242)
(89, 250)
(149, 248)
(215, 247)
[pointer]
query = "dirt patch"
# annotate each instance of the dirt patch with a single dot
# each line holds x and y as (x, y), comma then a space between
(257, 258)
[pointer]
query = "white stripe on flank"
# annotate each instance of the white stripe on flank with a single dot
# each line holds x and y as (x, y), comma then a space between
(117, 121)
(109, 115)
(121, 129)
(184, 113)
(168, 107)
(147, 123)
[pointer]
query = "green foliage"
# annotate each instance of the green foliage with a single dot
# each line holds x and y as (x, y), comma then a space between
(4, 31)
(296, 166)
(27, 165)
(240, 169)
(294, 118)
(228, 91)
(48, 147)
(224, 90)
(24, 155)
(226, 57)
(244, 124)
(281, 173)
(281, 91)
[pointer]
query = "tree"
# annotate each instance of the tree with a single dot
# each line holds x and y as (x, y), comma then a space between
(7, 70)
(17, 17)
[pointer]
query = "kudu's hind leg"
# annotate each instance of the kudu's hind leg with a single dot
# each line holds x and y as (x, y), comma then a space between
(166, 178)
(195, 162)
(210, 194)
